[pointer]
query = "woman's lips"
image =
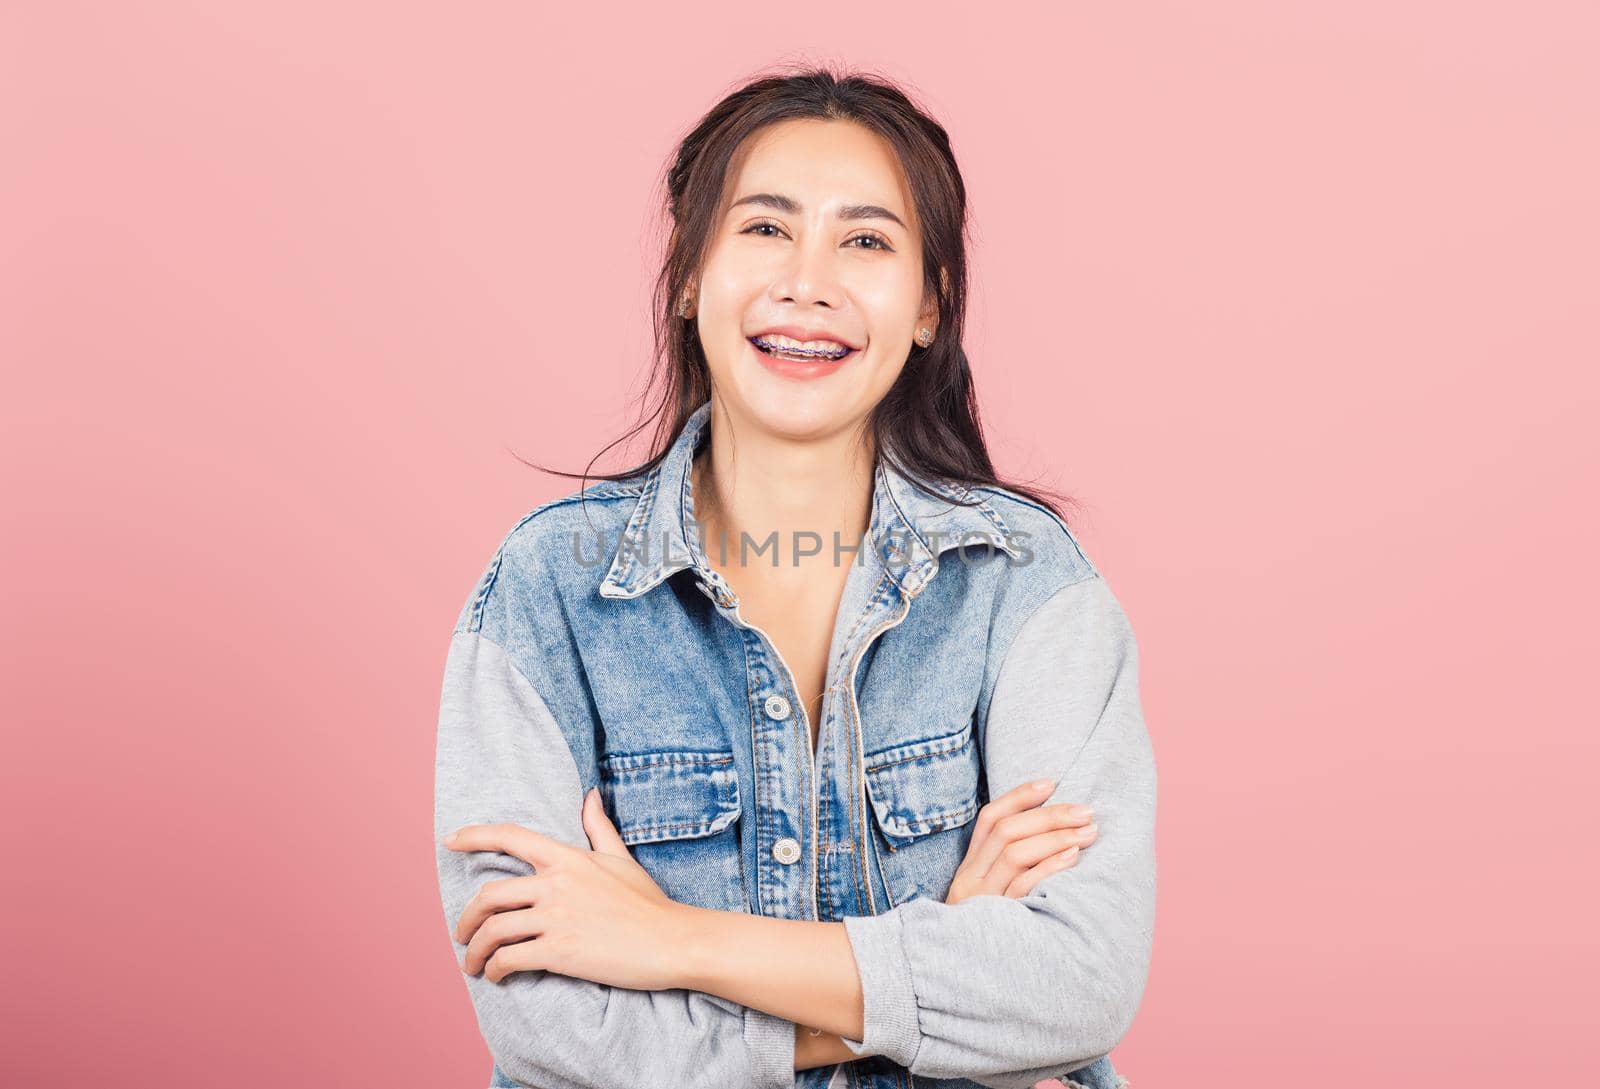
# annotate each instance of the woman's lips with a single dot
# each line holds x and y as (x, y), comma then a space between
(798, 368)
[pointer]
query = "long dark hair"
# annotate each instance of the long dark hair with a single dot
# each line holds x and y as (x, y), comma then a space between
(927, 424)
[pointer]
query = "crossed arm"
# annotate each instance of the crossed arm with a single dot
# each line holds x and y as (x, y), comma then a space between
(1003, 991)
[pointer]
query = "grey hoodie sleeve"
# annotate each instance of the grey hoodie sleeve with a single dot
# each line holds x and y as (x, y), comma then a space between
(1010, 991)
(502, 757)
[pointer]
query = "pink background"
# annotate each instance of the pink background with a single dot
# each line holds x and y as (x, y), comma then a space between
(1300, 299)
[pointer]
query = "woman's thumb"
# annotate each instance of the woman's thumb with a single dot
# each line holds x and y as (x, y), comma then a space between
(603, 835)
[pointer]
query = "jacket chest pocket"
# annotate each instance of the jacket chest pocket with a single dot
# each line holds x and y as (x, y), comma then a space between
(678, 813)
(925, 798)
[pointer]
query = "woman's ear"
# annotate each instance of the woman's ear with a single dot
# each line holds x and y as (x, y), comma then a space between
(929, 318)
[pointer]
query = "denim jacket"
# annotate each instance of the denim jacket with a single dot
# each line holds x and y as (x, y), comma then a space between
(976, 648)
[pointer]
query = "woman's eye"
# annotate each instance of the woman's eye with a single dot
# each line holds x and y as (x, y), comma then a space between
(878, 243)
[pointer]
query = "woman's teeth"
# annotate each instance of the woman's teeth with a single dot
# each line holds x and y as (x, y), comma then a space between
(806, 351)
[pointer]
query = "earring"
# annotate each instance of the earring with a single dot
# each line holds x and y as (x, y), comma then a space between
(924, 336)
(683, 305)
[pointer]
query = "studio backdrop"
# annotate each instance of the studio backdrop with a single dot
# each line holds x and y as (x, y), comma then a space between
(1296, 301)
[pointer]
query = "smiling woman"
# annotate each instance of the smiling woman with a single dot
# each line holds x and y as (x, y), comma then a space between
(786, 820)
(791, 226)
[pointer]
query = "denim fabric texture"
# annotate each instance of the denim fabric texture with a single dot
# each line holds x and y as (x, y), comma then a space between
(976, 648)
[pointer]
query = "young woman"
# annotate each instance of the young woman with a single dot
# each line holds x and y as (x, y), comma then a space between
(770, 762)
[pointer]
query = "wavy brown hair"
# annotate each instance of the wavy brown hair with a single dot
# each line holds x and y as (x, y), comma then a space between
(927, 424)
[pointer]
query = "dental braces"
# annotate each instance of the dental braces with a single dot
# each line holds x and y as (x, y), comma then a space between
(804, 351)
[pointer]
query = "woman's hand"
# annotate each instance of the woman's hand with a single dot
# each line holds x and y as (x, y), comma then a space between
(1015, 846)
(595, 914)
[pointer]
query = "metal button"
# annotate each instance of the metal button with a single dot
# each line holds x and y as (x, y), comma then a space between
(724, 594)
(777, 707)
(786, 851)
(719, 595)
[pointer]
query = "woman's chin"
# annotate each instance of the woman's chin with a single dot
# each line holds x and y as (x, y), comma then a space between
(779, 408)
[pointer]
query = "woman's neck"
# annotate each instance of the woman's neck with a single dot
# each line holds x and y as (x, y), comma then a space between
(766, 490)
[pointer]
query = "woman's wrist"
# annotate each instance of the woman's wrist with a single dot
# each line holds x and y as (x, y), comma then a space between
(689, 945)
(696, 951)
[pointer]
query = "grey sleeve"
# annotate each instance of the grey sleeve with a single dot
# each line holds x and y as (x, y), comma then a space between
(1011, 991)
(502, 757)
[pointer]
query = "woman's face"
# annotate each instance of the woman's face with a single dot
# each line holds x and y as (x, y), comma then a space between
(815, 237)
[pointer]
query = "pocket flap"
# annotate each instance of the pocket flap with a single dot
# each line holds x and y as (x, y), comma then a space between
(924, 786)
(656, 796)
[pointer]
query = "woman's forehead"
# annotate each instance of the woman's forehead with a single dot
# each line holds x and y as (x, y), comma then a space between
(813, 161)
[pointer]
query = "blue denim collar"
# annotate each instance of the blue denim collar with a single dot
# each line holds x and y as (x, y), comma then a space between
(912, 523)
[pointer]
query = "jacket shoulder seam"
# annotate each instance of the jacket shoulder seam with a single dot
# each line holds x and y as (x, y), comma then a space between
(473, 617)
(1072, 538)
(1005, 657)
(1033, 614)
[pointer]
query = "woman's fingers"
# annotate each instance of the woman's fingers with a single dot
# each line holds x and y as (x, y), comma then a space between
(1023, 854)
(1015, 800)
(504, 928)
(495, 896)
(1022, 864)
(1007, 828)
(1026, 881)
(1013, 834)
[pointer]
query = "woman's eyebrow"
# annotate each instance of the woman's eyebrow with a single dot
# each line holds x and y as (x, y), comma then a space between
(789, 205)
